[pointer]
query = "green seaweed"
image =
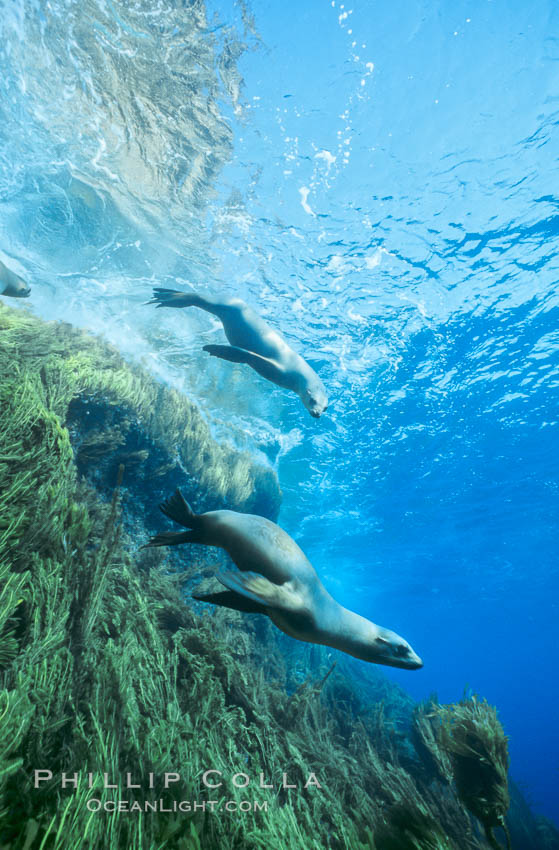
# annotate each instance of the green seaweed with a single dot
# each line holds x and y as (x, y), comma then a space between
(412, 828)
(476, 744)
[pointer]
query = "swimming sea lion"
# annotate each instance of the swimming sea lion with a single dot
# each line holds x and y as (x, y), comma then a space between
(13, 284)
(255, 343)
(275, 578)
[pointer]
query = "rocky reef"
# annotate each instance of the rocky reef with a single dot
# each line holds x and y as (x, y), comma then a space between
(107, 669)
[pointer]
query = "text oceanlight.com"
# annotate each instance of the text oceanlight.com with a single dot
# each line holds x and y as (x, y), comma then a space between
(96, 805)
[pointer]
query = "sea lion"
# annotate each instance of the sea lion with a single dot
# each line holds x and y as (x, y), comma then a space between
(275, 578)
(253, 342)
(13, 284)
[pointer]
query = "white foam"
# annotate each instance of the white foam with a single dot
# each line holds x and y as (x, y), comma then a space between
(304, 191)
(327, 157)
(372, 261)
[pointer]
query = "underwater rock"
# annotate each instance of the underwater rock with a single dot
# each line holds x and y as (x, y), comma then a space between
(527, 831)
(547, 834)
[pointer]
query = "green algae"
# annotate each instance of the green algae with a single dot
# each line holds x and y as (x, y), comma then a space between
(412, 828)
(476, 744)
(105, 669)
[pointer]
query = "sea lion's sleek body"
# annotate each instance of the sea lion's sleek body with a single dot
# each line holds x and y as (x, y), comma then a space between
(275, 578)
(253, 342)
(12, 284)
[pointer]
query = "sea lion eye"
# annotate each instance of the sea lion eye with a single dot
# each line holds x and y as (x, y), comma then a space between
(401, 650)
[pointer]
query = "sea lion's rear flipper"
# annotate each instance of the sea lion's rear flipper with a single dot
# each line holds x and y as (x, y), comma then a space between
(178, 509)
(230, 599)
(175, 298)
(169, 298)
(171, 538)
(259, 589)
(269, 369)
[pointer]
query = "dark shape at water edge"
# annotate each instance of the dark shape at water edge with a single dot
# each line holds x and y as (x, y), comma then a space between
(104, 668)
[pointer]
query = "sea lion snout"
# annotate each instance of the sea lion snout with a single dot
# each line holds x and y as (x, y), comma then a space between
(19, 291)
(394, 651)
(315, 400)
(414, 662)
(14, 285)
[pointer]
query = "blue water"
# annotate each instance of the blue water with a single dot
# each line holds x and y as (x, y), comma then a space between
(384, 188)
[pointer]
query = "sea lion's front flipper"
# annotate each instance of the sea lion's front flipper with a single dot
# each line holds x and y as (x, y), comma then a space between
(269, 369)
(230, 599)
(263, 591)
